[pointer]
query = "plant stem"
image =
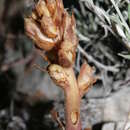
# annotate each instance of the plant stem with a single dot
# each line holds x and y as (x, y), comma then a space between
(72, 102)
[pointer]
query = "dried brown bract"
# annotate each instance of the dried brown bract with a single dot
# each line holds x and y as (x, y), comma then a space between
(67, 51)
(58, 75)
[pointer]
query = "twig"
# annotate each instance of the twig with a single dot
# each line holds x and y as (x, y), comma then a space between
(55, 116)
(105, 52)
(39, 67)
(78, 62)
(14, 63)
(98, 64)
(12, 108)
(82, 37)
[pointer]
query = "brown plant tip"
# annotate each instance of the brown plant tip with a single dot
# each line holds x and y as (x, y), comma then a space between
(86, 78)
(52, 28)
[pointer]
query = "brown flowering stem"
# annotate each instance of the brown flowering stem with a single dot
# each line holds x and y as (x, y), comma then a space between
(72, 103)
(53, 31)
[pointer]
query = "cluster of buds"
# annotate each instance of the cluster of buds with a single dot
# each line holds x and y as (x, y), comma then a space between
(53, 30)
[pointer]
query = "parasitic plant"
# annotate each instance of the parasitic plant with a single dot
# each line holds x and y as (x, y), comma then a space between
(53, 30)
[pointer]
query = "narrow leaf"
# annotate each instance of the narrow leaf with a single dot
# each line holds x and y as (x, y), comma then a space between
(126, 56)
(129, 12)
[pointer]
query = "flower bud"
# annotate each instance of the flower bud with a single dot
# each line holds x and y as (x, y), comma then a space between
(86, 78)
(58, 75)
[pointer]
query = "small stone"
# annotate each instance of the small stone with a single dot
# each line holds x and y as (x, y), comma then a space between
(108, 126)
